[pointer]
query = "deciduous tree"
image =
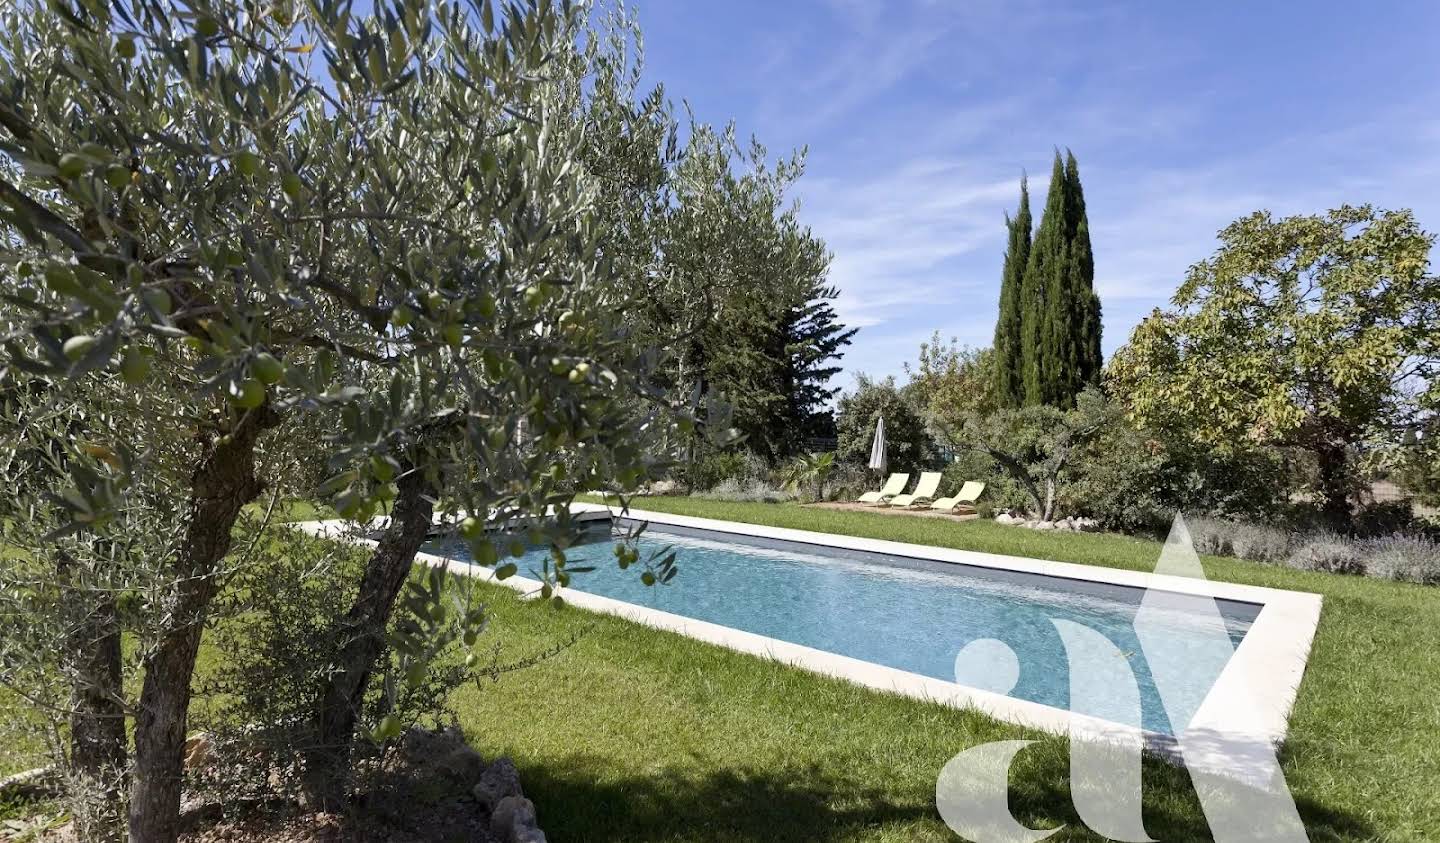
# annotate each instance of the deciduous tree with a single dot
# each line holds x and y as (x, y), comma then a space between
(1313, 331)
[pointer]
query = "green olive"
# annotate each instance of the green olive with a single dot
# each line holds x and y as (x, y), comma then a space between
(267, 368)
(248, 163)
(159, 300)
(78, 346)
(73, 166)
(135, 367)
(247, 394)
(117, 177)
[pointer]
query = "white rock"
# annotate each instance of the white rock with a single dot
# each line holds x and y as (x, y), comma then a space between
(513, 821)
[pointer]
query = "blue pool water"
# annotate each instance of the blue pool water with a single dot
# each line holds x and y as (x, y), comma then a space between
(910, 614)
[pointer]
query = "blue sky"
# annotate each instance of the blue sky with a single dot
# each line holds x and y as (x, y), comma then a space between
(920, 117)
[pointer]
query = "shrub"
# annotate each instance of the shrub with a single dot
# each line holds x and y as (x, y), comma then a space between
(754, 491)
(1135, 481)
(1259, 542)
(1385, 518)
(1403, 558)
(848, 481)
(712, 469)
(277, 641)
(1211, 536)
(1328, 552)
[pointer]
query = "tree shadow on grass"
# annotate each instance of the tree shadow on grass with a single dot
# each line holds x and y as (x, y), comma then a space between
(585, 801)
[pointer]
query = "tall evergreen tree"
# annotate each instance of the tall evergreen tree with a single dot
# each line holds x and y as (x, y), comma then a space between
(1043, 270)
(1009, 383)
(1086, 317)
(1060, 312)
(814, 339)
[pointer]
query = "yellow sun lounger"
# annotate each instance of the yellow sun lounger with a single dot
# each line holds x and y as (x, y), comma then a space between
(894, 486)
(924, 491)
(969, 494)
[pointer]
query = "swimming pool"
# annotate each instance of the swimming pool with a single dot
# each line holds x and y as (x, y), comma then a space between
(904, 612)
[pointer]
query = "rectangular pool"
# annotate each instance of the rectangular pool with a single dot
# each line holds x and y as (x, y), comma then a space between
(907, 613)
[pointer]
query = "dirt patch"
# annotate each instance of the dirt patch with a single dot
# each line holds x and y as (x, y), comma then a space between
(850, 506)
(432, 788)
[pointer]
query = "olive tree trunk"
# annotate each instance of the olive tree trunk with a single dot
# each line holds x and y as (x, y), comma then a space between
(362, 639)
(97, 715)
(222, 483)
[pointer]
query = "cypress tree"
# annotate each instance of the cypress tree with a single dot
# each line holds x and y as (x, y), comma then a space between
(1086, 301)
(1043, 271)
(1009, 383)
(1060, 312)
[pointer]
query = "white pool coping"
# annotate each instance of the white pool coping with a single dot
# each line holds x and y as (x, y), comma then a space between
(1248, 706)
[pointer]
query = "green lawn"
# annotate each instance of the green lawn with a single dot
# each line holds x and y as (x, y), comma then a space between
(641, 735)
(638, 735)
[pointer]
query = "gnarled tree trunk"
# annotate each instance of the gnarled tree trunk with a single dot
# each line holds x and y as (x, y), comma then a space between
(97, 713)
(222, 483)
(327, 764)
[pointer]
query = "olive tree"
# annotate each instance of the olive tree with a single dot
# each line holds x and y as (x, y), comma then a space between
(1038, 447)
(1312, 332)
(228, 217)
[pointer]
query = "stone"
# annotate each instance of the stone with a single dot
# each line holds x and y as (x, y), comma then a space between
(1044, 525)
(1005, 518)
(513, 821)
(500, 780)
(665, 487)
(443, 753)
(198, 749)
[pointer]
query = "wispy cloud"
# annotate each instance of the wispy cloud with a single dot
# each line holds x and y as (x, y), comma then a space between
(922, 114)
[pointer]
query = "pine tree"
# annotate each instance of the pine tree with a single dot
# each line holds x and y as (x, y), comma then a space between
(1060, 313)
(1009, 383)
(814, 339)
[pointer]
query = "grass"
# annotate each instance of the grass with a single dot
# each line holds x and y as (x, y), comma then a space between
(635, 734)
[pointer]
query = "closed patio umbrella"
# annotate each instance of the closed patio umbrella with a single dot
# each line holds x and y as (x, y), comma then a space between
(877, 447)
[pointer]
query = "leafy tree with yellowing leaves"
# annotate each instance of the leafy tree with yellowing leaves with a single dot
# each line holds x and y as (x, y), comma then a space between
(1314, 332)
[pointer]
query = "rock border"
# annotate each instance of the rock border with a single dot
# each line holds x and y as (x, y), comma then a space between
(1070, 524)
